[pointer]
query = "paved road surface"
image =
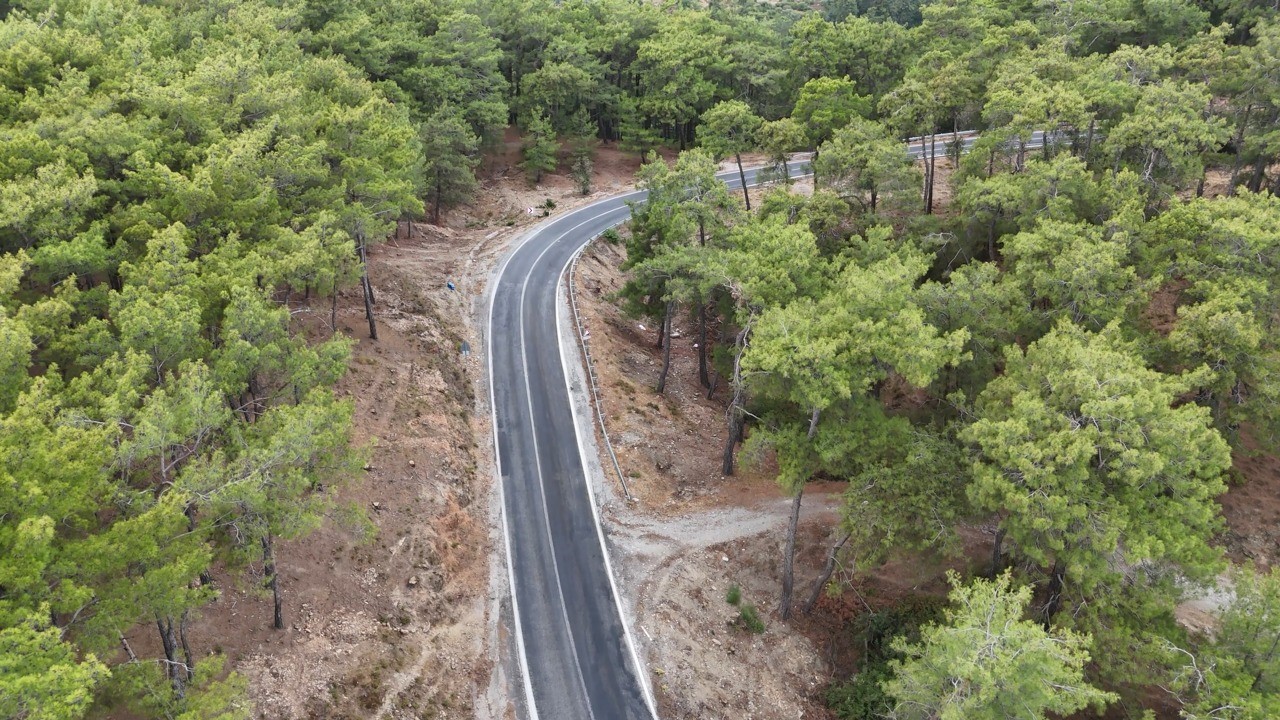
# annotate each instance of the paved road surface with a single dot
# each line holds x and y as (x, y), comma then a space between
(576, 654)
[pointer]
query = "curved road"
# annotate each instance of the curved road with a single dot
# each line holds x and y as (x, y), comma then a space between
(576, 653)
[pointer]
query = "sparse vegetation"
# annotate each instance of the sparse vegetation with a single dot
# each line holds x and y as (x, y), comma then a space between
(749, 618)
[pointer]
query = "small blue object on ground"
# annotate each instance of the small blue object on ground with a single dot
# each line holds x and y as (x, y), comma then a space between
(450, 285)
(466, 348)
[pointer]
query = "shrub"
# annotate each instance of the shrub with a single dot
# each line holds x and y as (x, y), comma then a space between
(734, 596)
(861, 697)
(750, 619)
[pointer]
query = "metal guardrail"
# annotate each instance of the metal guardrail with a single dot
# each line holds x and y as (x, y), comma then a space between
(585, 343)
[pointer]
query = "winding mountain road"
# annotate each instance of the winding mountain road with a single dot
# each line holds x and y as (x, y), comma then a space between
(576, 653)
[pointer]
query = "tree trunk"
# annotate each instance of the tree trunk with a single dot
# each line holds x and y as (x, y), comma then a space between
(1257, 677)
(825, 577)
(734, 412)
(1259, 174)
(1239, 143)
(995, 552)
(788, 557)
(924, 189)
(368, 291)
(435, 210)
(991, 237)
(173, 667)
(1054, 601)
(743, 178)
(703, 376)
(128, 650)
(1088, 143)
(735, 420)
(186, 647)
(666, 347)
(933, 163)
(786, 171)
(273, 581)
(333, 309)
(205, 577)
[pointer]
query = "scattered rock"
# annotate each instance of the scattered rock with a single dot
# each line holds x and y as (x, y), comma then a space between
(662, 460)
(413, 581)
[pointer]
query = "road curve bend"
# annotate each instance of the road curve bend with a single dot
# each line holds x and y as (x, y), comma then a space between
(576, 653)
(577, 658)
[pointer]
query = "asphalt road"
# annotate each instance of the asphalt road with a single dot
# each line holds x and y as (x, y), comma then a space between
(576, 653)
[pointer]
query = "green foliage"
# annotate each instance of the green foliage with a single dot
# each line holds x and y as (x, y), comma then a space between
(687, 207)
(749, 618)
(40, 676)
(159, 407)
(863, 164)
(778, 139)
(434, 54)
(734, 595)
(213, 694)
(883, 505)
(583, 163)
(450, 148)
(729, 129)
(1087, 454)
(850, 337)
(1165, 137)
(1236, 673)
(173, 177)
(1227, 250)
(1077, 271)
(871, 52)
(539, 149)
(985, 661)
(825, 105)
(863, 697)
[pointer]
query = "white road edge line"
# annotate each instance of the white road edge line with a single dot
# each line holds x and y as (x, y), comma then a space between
(639, 669)
(641, 675)
(523, 658)
(537, 457)
(491, 292)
